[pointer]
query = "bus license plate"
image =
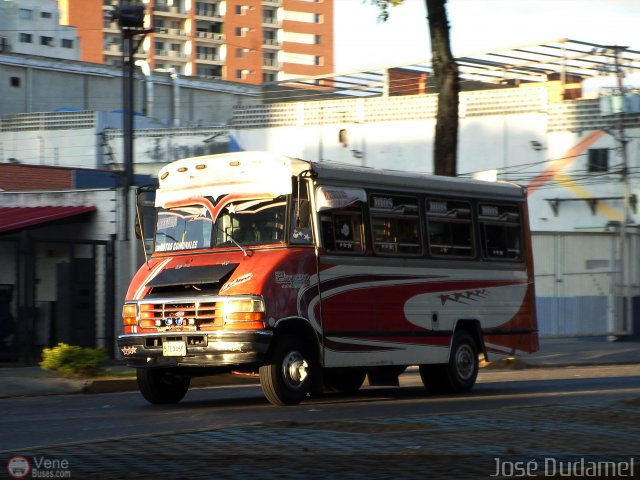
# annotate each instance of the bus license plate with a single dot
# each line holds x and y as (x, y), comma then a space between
(174, 349)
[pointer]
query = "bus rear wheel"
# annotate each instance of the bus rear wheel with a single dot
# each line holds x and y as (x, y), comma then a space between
(286, 378)
(460, 373)
(162, 385)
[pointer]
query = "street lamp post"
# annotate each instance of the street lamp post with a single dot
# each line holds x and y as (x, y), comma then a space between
(130, 18)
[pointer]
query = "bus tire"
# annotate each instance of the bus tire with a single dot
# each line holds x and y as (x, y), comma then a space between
(462, 369)
(286, 378)
(344, 380)
(162, 385)
(460, 373)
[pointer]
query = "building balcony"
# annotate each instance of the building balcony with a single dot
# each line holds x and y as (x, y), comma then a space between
(210, 36)
(208, 15)
(271, 43)
(168, 11)
(271, 3)
(111, 27)
(170, 33)
(271, 66)
(211, 77)
(170, 55)
(112, 49)
(209, 58)
(270, 21)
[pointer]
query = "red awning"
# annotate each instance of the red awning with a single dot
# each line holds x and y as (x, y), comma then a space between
(16, 218)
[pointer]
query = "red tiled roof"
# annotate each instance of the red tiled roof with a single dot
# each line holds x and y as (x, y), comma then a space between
(16, 218)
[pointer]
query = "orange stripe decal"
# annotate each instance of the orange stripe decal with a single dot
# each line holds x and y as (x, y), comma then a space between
(566, 160)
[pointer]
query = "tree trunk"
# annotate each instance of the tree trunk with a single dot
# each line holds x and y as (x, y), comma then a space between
(445, 73)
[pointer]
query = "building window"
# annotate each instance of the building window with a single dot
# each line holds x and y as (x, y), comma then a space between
(318, 61)
(66, 43)
(241, 31)
(26, 38)
(598, 160)
(45, 14)
(14, 81)
(239, 52)
(317, 18)
(46, 41)
(25, 14)
(318, 39)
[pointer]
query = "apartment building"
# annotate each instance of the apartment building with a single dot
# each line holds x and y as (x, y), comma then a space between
(34, 27)
(247, 41)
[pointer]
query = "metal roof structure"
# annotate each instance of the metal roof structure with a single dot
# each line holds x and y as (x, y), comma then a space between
(563, 59)
(17, 218)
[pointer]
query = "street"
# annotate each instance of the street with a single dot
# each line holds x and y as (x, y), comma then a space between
(525, 414)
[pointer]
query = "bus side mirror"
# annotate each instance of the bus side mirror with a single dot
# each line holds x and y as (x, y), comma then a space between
(138, 228)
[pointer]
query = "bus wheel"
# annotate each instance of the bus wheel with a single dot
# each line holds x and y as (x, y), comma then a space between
(460, 373)
(162, 385)
(344, 380)
(462, 369)
(286, 378)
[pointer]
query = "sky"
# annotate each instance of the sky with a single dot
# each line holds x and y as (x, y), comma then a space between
(477, 26)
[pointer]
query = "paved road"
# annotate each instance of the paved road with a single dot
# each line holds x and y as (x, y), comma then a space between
(232, 432)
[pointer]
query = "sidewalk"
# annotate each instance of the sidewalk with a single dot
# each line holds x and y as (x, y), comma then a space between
(27, 381)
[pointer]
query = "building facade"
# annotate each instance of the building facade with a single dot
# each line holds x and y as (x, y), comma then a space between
(246, 41)
(33, 27)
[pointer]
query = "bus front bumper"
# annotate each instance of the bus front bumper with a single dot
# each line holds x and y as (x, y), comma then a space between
(194, 349)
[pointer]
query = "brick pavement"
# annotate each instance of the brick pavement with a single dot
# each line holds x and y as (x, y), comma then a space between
(402, 447)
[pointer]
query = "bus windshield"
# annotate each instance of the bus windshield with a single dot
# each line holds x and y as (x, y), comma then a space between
(246, 222)
(183, 228)
(252, 222)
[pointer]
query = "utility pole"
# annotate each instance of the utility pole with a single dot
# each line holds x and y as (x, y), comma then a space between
(621, 141)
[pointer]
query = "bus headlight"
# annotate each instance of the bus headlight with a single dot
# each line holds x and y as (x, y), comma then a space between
(244, 313)
(130, 314)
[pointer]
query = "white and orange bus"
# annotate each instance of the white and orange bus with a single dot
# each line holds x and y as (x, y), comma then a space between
(318, 275)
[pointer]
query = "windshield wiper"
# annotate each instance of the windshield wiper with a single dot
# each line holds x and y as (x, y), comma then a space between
(245, 251)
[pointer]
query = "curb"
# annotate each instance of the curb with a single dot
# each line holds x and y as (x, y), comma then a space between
(115, 385)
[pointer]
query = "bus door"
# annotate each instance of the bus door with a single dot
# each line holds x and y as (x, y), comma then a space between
(343, 276)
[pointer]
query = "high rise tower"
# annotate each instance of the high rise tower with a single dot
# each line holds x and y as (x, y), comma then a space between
(250, 41)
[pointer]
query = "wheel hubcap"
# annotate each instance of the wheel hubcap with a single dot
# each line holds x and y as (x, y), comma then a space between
(464, 362)
(295, 370)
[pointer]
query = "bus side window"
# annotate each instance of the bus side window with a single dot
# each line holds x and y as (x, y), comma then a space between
(449, 228)
(395, 225)
(326, 227)
(342, 231)
(501, 231)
